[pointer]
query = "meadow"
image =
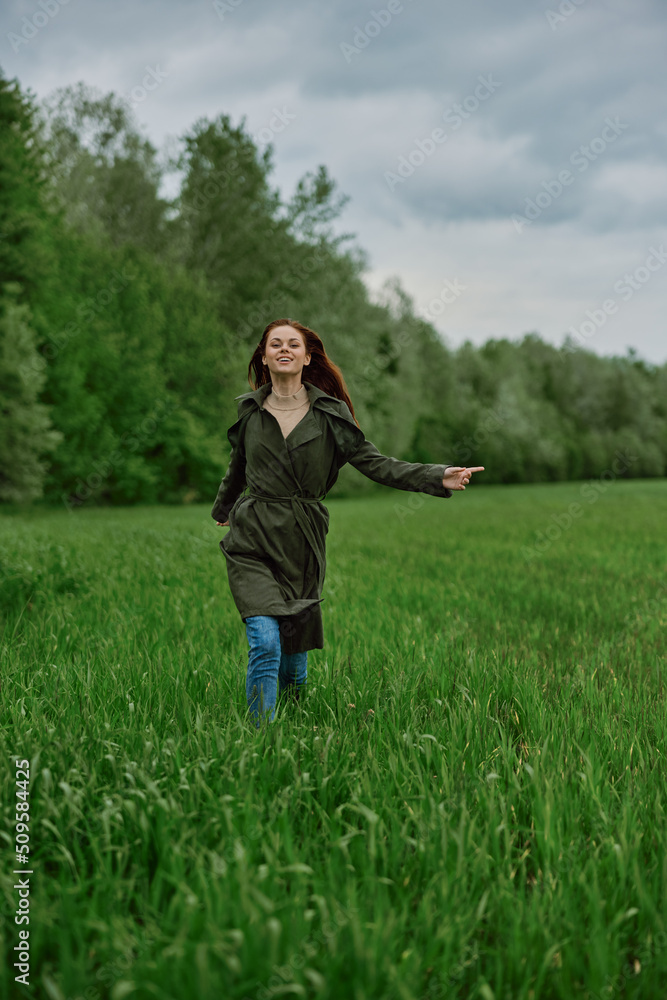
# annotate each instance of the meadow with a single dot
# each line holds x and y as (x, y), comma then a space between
(468, 803)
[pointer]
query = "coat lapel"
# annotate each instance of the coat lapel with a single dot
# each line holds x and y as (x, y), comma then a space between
(348, 435)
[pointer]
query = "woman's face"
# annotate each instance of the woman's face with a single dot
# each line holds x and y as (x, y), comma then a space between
(285, 351)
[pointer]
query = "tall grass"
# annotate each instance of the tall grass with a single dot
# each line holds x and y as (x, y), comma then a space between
(470, 801)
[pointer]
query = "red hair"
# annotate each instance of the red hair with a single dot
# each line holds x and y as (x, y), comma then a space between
(322, 372)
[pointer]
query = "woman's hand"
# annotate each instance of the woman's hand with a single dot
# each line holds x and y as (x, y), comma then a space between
(457, 477)
(223, 524)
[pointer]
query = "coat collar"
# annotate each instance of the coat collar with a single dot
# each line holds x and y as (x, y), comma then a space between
(319, 398)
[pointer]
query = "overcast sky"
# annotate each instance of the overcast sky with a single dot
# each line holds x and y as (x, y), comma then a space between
(505, 160)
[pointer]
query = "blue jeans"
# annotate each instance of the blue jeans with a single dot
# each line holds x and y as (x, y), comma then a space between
(270, 671)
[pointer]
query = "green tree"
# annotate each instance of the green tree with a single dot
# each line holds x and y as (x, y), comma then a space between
(130, 319)
(26, 432)
(102, 172)
(25, 253)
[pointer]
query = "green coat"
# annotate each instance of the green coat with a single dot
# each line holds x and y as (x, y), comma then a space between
(275, 546)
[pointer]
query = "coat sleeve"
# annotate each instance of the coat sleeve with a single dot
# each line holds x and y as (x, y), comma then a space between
(364, 456)
(234, 480)
(413, 476)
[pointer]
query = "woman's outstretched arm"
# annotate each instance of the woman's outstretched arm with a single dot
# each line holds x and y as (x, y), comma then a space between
(438, 480)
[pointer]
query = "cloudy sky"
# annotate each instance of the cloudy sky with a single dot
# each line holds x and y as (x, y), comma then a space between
(505, 160)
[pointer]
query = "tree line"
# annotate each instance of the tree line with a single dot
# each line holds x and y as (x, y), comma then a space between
(127, 320)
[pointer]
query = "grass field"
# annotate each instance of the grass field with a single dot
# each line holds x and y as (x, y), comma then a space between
(470, 802)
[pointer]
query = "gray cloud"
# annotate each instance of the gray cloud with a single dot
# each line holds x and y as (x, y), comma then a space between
(562, 76)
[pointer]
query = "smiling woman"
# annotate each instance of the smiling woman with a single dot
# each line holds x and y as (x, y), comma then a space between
(288, 445)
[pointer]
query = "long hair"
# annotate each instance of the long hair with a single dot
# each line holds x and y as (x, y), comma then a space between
(322, 372)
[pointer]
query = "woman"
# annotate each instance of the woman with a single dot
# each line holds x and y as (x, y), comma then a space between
(288, 445)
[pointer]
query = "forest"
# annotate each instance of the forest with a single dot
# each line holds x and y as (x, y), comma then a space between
(127, 320)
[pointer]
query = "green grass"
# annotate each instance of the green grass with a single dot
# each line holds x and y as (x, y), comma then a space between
(470, 802)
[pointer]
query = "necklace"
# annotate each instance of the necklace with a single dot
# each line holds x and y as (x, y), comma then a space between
(292, 401)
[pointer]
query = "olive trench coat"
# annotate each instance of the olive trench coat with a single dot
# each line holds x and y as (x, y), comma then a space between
(272, 496)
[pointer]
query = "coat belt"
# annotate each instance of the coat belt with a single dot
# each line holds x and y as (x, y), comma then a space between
(302, 519)
(290, 496)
